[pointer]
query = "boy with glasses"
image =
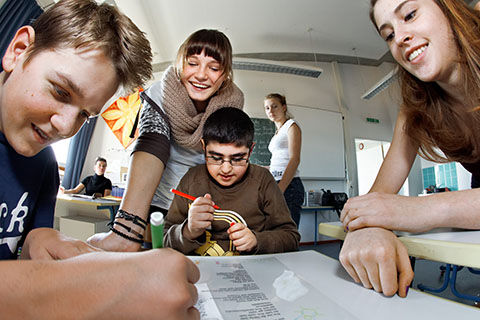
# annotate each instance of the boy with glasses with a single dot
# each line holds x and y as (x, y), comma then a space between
(257, 221)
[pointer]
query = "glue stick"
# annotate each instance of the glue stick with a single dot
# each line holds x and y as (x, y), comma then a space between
(156, 224)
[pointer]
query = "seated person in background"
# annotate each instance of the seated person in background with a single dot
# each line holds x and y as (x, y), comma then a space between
(56, 74)
(228, 179)
(96, 185)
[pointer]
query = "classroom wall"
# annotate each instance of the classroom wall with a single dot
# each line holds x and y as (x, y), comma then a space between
(312, 92)
(322, 93)
(317, 93)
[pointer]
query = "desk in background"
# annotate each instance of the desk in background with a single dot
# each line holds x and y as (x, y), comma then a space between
(243, 287)
(445, 245)
(315, 210)
(81, 217)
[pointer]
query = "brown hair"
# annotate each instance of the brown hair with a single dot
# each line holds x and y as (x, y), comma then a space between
(281, 98)
(84, 24)
(215, 44)
(432, 120)
(101, 159)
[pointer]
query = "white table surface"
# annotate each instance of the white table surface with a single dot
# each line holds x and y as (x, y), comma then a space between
(94, 202)
(447, 234)
(68, 205)
(328, 277)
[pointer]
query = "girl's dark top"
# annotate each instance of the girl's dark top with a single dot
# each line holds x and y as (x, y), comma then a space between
(474, 169)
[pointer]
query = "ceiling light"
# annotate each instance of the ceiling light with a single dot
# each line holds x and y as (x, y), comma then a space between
(381, 85)
(276, 66)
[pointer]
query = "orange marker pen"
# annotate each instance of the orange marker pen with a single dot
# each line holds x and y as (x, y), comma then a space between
(181, 194)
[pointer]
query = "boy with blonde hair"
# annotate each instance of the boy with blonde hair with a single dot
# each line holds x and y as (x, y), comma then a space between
(57, 74)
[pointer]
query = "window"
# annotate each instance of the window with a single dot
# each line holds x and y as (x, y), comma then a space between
(60, 149)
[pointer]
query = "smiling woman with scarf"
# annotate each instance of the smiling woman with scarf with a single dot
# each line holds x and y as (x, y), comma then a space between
(171, 122)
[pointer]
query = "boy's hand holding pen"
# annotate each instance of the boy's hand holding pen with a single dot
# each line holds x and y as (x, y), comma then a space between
(187, 196)
(200, 217)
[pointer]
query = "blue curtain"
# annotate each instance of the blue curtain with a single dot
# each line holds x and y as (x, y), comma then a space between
(77, 151)
(13, 15)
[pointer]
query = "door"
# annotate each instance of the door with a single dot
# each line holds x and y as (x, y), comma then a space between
(370, 155)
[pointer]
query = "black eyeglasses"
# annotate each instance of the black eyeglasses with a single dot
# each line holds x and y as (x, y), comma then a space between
(218, 161)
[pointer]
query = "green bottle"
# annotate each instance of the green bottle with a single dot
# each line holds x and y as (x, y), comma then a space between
(156, 224)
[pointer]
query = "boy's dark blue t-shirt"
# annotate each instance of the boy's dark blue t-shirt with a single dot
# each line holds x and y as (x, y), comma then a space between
(28, 190)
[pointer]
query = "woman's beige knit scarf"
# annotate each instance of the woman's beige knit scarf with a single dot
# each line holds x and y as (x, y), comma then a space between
(186, 124)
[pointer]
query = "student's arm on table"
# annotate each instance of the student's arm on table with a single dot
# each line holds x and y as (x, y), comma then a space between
(372, 265)
(457, 209)
(156, 284)
(75, 190)
(144, 176)
(107, 192)
(50, 244)
(294, 150)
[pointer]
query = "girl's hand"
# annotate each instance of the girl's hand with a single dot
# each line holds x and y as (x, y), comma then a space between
(387, 211)
(377, 259)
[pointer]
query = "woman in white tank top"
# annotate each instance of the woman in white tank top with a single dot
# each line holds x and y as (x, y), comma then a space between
(285, 147)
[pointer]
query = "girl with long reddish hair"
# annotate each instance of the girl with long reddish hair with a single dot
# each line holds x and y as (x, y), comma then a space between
(436, 44)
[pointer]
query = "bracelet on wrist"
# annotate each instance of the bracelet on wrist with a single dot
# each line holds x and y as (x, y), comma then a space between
(124, 235)
(131, 217)
(129, 229)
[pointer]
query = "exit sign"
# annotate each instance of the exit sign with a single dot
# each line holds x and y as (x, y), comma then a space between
(373, 120)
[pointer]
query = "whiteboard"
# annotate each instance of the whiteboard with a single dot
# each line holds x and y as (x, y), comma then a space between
(323, 152)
